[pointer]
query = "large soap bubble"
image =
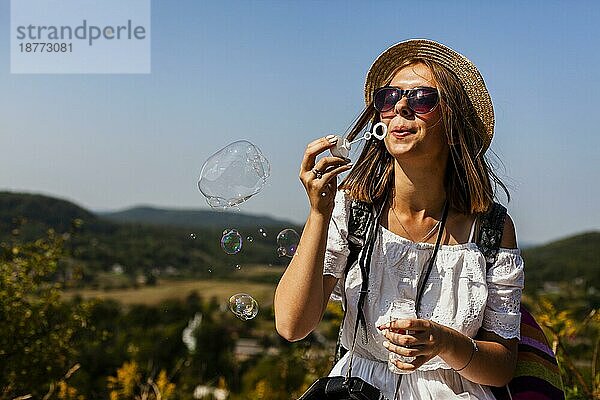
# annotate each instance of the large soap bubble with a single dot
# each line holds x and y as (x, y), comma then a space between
(287, 240)
(233, 174)
(243, 306)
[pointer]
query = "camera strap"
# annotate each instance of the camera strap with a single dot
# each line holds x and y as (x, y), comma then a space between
(425, 276)
(365, 266)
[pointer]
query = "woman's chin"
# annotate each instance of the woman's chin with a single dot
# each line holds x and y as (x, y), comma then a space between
(400, 150)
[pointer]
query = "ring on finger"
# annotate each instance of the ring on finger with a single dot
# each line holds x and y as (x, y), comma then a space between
(318, 174)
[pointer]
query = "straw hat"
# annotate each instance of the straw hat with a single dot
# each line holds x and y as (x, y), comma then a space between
(464, 69)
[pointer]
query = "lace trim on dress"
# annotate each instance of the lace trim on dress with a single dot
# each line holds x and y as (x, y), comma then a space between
(506, 326)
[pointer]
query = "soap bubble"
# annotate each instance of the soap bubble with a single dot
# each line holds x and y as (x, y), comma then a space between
(238, 266)
(233, 174)
(243, 306)
(250, 238)
(287, 240)
(192, 236)
(231, 242)
(262, 232)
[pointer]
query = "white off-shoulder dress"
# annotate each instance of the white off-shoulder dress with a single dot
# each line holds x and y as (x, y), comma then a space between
(459, 293)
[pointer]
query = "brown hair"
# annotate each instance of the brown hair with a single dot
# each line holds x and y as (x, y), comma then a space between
(470, 180)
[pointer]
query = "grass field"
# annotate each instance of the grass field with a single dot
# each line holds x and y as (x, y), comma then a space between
(164, 290)
(240, 282)
(180, 289)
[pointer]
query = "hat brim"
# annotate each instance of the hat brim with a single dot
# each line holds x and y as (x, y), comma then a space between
(461, 66)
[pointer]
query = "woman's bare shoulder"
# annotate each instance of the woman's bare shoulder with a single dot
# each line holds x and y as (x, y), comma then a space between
(509, 236)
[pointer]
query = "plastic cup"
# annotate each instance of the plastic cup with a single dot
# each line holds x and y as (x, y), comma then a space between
(401, 309)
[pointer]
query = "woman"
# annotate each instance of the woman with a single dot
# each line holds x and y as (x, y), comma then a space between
(440, 122)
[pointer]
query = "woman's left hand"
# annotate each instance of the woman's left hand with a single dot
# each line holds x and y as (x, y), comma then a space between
(419, 338)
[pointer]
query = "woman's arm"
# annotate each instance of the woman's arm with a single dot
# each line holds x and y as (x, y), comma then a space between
(303, 291)
(494, 363)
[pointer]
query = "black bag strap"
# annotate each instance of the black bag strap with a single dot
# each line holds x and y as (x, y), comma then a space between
(358, 223)
(364, 261)
(491, 227)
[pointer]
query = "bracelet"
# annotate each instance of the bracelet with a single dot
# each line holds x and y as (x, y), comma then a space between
(475, 350)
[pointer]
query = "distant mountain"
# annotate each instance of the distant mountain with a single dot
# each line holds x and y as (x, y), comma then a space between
(191, 218)
(564, 260)
(139, 243)
(145, 239)
(50, 212)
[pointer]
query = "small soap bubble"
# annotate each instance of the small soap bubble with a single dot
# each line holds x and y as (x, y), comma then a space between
(233, 174)
(192, 236)
(281, 252)
(243, 306)
(238, 267)
(288, 240)
(250, 238)
(262, 232)
(231, 242)
(210, 270)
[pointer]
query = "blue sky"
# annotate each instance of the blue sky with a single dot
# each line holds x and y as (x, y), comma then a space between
(280, 74)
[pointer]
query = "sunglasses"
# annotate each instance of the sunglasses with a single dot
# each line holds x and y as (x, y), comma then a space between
(420, 100)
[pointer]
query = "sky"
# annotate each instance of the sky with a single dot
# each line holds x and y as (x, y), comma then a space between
(283, 73)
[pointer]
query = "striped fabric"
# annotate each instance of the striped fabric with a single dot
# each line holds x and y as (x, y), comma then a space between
(537, 376)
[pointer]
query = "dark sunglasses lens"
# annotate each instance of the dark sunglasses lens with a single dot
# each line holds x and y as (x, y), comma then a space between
(423, 100)
(385, 99)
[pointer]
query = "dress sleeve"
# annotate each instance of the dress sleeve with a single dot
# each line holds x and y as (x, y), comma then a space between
(505, 285)
(337, 251)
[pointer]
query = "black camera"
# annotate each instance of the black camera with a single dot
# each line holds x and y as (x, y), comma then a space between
(341, 388)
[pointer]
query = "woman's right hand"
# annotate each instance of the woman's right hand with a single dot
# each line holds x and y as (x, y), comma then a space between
(320, 178)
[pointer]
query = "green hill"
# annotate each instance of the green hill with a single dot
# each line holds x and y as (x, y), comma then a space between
(36, 213)
(565, 260)
(101, 246)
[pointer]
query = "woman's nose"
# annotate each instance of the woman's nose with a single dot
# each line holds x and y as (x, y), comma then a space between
(402, 108)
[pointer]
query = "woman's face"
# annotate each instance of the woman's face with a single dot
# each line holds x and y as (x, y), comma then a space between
(413, 135)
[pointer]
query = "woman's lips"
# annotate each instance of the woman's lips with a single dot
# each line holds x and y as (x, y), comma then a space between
(402, 134)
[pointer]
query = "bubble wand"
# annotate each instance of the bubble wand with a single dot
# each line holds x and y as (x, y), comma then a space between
(343, 146)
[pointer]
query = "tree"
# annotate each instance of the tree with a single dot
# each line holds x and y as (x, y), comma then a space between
(574, 334)
(37, 329)
(129, 385)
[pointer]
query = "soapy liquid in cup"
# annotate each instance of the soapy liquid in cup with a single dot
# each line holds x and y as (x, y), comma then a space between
(401, 309)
